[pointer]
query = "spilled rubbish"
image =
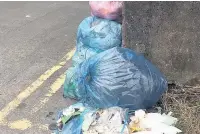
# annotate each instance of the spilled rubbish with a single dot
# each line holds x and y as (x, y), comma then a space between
(70, 119)
(80, 119)
(153, 123)
(106, 121)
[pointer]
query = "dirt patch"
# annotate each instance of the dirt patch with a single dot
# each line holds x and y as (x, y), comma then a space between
(185, 104)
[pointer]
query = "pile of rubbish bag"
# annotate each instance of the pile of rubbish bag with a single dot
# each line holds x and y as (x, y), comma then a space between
(95, 34)
(104, 74)
(81, 119)
(112, 84)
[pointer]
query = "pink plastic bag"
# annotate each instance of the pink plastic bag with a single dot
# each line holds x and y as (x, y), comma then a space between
(111, 10)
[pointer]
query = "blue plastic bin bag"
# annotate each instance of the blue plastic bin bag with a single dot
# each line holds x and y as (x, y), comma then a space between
(119, 77)
(99, 33)
(82, 53)
(70, 85)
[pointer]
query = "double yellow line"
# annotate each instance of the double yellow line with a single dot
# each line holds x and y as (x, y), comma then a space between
(11, 106)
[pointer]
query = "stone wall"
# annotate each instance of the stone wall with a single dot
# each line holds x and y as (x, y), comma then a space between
(168, 34)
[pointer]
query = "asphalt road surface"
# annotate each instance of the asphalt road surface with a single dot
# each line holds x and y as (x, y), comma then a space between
(36, 45)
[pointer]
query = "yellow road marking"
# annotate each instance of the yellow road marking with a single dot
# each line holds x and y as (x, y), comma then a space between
(22, 124)
(32, 88)
(53, 89)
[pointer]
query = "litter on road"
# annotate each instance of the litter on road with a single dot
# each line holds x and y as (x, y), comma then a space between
(80, 119)
(153, 123)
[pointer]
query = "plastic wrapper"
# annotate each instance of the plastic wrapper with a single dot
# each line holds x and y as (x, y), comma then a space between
(111, 10)
(74, 124)
(119, 77)
(99, 34)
